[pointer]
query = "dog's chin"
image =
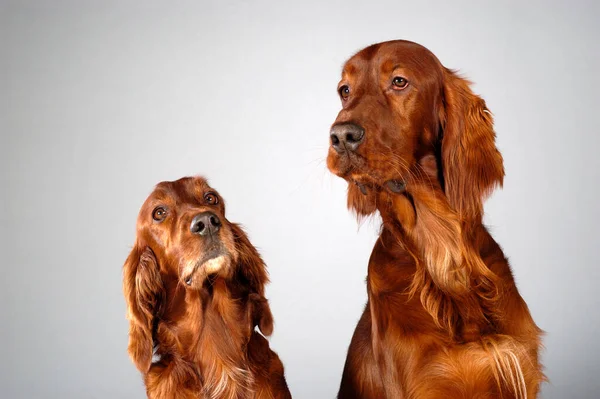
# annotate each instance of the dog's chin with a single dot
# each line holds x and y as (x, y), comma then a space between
(375, 179)
(343, 165)
(351, 168)
(195, 275)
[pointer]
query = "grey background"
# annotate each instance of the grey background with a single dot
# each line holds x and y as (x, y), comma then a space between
(102, 100)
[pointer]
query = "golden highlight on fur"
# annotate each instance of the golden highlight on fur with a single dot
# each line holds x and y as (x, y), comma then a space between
(194, 301)
(444, 317)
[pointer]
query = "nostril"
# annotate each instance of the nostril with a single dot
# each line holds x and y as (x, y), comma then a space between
(335, 140)
(215, 221)
(200, 227)
(354, 137)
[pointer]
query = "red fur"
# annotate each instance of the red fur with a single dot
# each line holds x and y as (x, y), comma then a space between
(203, 334)
(444, 317)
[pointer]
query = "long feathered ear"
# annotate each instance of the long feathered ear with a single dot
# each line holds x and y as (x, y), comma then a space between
(472, 165)
(254, 271)
(251, 265)
(261, 314)
(144, 294)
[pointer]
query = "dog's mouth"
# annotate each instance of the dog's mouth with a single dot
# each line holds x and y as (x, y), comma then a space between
(346, 164)
(374, 181)
(216, 261)
(354, 169)
(395, 186)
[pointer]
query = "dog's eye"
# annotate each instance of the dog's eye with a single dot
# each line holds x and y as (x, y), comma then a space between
(211, 199)
(159, 213)
(344, 92)
(399, 83)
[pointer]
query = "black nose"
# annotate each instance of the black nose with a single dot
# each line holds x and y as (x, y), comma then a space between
(205, 223)
(346, 137)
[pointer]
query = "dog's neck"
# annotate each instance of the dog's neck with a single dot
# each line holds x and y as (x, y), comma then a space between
(212, 335)
(441, 259)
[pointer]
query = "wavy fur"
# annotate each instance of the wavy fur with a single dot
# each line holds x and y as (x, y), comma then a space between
(444, 317)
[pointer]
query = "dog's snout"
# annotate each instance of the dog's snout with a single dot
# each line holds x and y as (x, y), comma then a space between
(346, 137)
(205, 223)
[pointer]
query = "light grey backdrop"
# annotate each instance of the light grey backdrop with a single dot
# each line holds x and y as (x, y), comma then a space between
(101, 100)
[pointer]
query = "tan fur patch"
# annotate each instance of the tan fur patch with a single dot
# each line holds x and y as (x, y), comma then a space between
(214, 265)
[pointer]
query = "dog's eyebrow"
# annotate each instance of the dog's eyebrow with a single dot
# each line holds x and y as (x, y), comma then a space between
(160, 193)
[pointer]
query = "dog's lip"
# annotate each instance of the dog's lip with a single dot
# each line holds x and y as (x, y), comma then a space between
(396, 185)
(210, 255)
(343, 169)
(347, 163)
(361, 187)
(352, 168)
(368, 183)
(213, 252)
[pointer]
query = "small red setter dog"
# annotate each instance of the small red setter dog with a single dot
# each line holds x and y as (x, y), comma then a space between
(194, 287)
(444, 318)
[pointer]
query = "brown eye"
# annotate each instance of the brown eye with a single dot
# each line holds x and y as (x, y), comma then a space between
(159, 213)
(344, 92)
(399, 83)
(211, 199)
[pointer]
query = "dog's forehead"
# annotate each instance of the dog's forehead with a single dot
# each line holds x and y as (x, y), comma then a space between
(387, 56)
(185, 189)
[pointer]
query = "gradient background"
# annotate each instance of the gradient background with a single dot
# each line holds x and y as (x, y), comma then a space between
(102, 100)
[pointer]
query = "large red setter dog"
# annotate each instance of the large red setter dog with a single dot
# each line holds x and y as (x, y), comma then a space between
(444, 318)
(194, 287)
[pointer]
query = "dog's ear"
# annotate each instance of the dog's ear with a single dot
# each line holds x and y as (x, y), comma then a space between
(145, 295)
(250, 264)
(261, 315)
(254, 271)
(472, 165)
